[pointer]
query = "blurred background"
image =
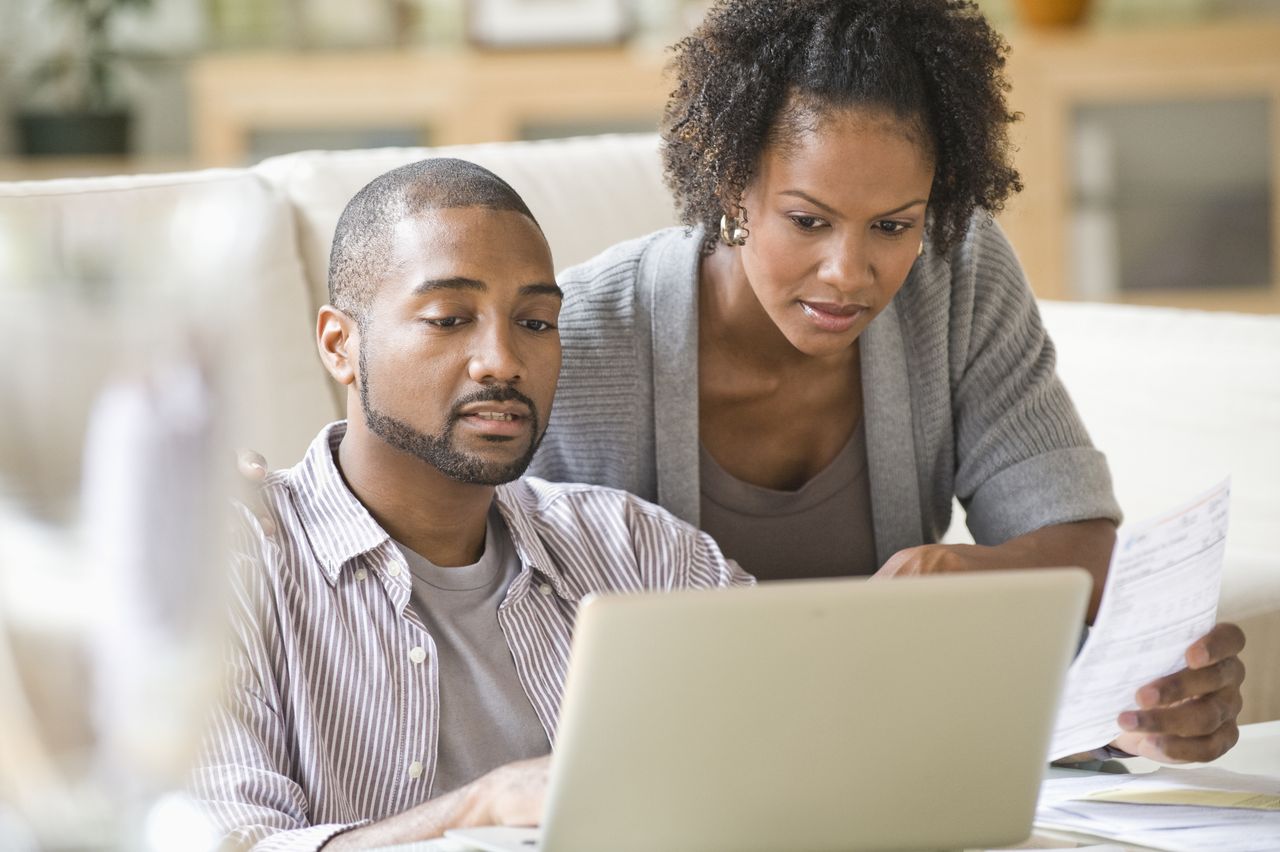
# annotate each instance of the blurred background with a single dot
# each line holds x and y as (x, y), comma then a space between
(1149, 146)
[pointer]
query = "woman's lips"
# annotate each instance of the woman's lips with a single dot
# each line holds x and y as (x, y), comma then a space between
(829, 316)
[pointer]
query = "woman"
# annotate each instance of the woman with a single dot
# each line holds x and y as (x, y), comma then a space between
(844, 339)
(852, 151)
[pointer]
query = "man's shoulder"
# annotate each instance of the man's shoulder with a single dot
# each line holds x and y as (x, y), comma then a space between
(607, 539)
(540, 496)
(575, 508)
(274, 503)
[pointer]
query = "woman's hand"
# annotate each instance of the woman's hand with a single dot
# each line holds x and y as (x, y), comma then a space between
(937, 559)
(253, 468)
(1085, 544)
(1191, 714)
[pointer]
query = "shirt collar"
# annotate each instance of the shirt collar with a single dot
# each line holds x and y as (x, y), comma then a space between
(339, 527)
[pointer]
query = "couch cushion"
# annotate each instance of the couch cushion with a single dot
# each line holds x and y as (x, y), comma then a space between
(1178, 399)
(93, 269)
(586, 193)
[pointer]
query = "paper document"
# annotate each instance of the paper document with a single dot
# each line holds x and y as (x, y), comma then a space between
(1103, 805)
(1161, 595)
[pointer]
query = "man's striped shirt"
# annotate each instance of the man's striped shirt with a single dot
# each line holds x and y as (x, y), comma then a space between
(333, 705)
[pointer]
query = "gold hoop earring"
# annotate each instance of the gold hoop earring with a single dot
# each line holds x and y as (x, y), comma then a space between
(733, 232)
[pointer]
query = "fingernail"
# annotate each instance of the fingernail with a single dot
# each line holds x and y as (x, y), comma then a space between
(1128, 720)
(1148, 696)
(1198, 657)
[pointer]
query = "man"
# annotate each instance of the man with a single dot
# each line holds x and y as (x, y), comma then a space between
(403, 636)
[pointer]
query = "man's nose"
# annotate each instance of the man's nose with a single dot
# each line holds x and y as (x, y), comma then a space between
(496, 357)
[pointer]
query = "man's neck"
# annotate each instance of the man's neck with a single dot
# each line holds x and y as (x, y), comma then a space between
(437, 517)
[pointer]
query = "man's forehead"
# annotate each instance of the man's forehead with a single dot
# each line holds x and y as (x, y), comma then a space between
(455, 226)
(470, 242)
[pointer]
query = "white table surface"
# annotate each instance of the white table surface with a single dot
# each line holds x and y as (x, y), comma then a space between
(1257, 753)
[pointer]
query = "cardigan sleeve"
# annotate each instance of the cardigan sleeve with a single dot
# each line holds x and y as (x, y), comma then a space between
(1024, 459)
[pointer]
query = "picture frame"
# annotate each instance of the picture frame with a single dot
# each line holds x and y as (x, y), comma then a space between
(514, 24)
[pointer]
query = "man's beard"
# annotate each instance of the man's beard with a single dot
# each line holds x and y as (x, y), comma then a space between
(439, 450)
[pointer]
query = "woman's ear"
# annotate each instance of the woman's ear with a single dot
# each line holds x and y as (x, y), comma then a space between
(338, 340)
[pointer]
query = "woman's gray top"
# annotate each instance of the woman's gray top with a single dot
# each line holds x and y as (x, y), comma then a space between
(822, 529)
(960, 396)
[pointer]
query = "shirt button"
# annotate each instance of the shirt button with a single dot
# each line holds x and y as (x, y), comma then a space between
(394, 571)
(418, 654)
(361, 574)
(545, 589)
(415, 769)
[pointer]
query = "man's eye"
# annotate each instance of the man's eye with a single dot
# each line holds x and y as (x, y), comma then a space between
(444, 322)
(537, 325)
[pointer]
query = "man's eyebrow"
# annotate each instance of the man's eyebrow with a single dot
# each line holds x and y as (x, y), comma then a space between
(455, 283)
(542, 290)
(816, 203)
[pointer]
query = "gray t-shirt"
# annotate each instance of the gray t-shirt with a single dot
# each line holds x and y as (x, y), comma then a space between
(823, 529)
(486, 718)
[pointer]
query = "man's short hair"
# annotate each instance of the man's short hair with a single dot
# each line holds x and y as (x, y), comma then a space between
(362, 241)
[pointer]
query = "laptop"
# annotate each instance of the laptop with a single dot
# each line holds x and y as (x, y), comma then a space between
(809, 715)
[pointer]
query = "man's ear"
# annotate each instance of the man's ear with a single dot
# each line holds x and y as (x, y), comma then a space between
(338, 339)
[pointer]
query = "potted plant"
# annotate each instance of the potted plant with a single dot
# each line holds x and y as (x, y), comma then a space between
(76, 106)
(1052, 13)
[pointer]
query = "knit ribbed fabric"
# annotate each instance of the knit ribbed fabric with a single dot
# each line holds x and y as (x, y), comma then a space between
(960, 393)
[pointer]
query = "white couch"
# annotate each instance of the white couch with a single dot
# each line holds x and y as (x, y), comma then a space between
(1177, 399)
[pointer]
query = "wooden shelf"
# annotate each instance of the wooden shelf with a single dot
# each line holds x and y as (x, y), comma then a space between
(1053, 74)
(462, 96)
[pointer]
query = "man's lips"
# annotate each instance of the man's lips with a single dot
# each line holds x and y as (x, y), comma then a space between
(495, 410)
(831, 316)
(496, 419)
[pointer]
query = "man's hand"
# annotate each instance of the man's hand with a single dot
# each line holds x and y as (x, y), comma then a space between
(253, 468)
(1191, 714)
(511, 795)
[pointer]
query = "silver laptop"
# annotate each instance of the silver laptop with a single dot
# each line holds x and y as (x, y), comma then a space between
(809, 715)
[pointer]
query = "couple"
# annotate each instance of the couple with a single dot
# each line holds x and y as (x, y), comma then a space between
(402, 636)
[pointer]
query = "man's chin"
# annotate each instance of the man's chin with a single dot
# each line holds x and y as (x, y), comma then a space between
(486, 469)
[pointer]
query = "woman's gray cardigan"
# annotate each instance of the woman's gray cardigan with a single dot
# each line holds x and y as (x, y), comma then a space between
(959, 388)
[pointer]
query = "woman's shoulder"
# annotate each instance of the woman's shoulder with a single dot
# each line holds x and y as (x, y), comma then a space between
(621, 261)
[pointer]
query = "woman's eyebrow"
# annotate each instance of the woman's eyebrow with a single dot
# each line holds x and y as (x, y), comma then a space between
(799, 193)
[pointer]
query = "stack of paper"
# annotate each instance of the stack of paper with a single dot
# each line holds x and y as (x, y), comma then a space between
(1173, 808)
(1161, 595)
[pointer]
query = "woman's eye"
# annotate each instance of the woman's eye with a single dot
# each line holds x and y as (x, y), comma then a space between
(892, 228)
(807, 223)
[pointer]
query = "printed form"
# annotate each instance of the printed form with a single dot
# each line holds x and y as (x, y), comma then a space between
(1160, 596)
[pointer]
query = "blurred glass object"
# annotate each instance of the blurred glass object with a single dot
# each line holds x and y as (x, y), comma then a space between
(1171, 196)
(240, 24)
(114, 476)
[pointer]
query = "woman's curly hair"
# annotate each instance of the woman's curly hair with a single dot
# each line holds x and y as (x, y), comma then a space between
(757, 73)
